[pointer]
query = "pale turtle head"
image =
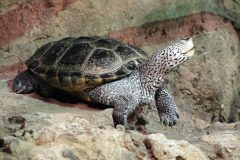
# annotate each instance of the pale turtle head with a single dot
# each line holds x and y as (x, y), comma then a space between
(176, 54)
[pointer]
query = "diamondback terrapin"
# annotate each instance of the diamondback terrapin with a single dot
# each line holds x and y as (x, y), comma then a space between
(105, 71)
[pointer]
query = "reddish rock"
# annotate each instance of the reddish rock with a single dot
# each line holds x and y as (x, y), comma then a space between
(15, 22)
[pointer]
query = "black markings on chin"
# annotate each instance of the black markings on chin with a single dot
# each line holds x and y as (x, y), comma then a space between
(183, 59)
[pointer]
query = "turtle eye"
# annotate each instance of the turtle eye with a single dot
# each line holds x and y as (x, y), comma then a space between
(186, 39)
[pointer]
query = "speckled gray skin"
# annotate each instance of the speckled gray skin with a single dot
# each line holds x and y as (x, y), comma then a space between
(144, 85)
(166, 106)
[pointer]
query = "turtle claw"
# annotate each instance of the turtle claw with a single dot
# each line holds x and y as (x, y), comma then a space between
(169, 120)
(19, 91)
(24, 83)
(18, 86)
(177, 115)
(170, 124)
(165, 122)
(174, 123)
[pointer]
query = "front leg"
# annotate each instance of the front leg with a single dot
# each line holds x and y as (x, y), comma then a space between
(124, 106)
(166, 106)
(116, 96)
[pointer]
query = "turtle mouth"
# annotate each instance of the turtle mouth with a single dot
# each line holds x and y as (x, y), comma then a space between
(190, 52)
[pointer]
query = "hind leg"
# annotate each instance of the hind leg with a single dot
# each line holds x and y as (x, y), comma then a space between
(124, 104)
(25, 82)
(45, 89)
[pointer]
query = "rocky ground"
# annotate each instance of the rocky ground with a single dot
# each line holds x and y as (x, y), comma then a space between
(206, 88)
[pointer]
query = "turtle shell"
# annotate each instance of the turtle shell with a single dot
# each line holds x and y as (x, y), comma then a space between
(75, 64)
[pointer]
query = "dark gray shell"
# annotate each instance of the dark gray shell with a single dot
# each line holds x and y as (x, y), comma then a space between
(75, 64)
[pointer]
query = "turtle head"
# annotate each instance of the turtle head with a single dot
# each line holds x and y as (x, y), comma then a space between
(176, 54)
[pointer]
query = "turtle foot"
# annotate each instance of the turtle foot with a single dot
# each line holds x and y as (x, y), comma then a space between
(24, 83)
(169, 119)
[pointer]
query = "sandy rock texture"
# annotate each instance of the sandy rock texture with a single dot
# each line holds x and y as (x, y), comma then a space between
(222, 145)
(206, 88)
(86, 140)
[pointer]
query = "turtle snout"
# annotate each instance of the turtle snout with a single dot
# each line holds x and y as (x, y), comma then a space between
(188, 47)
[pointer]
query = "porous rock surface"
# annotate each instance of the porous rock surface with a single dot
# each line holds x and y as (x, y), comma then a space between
(207, 87)
(86, 140)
